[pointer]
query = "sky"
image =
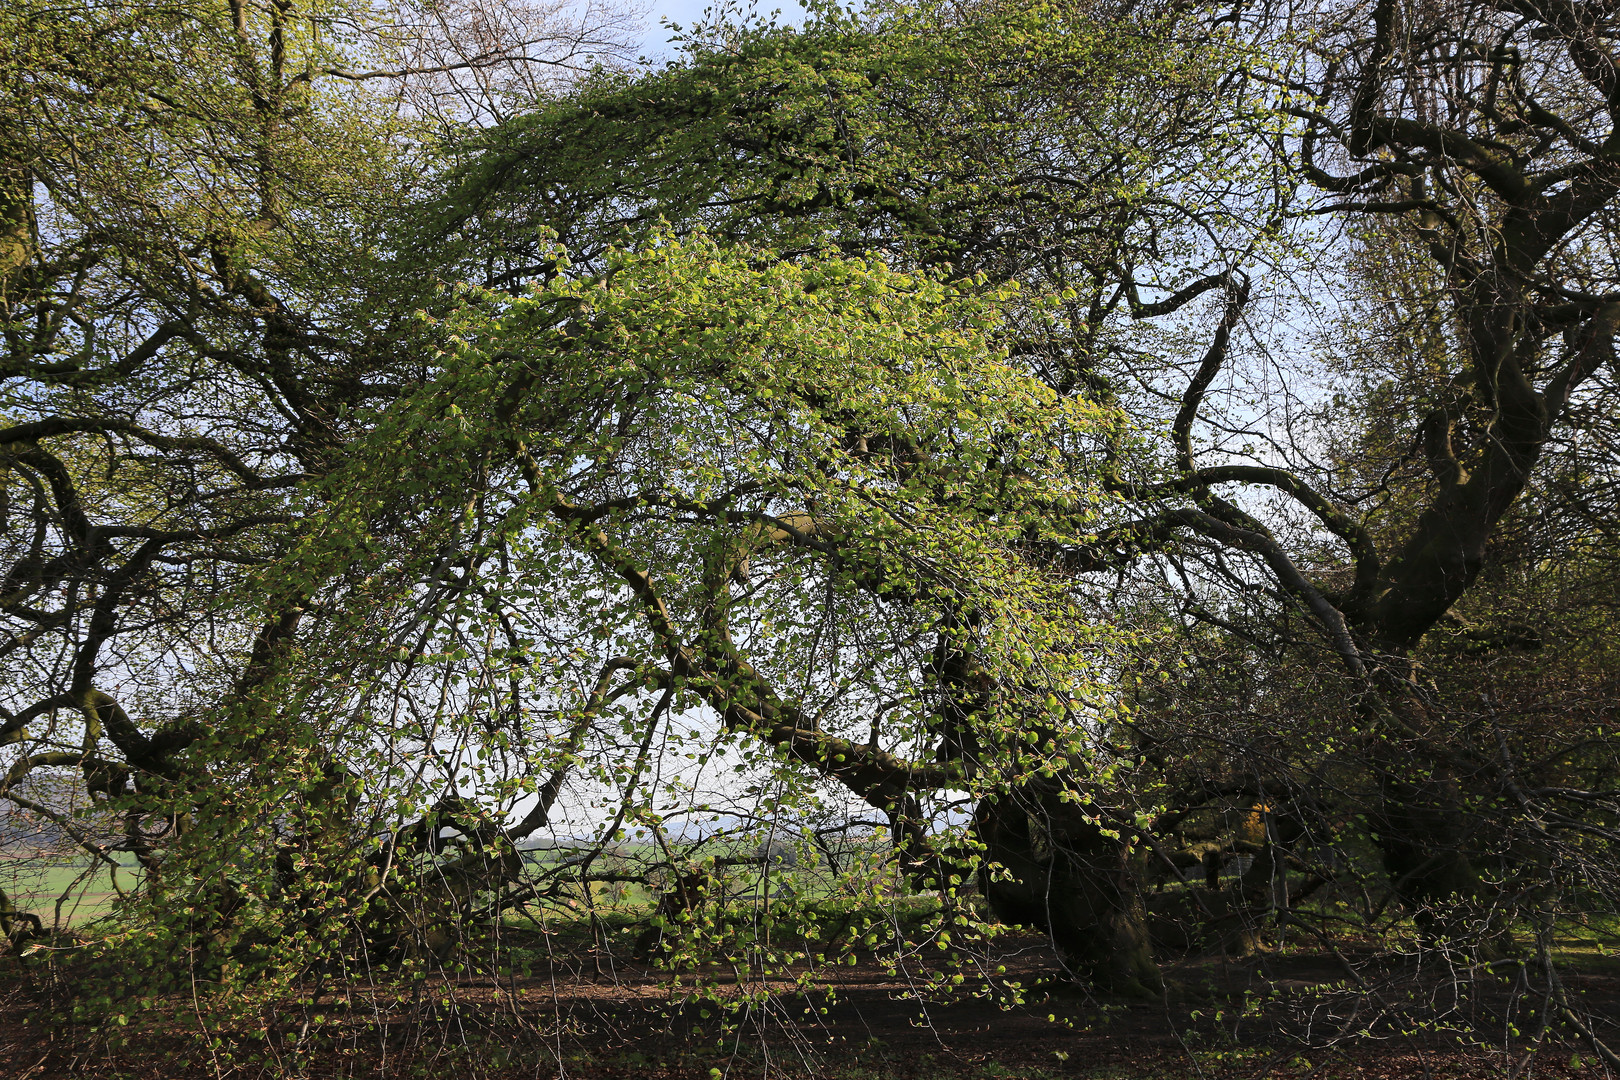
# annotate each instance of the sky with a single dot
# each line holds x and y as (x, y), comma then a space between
(687, 12)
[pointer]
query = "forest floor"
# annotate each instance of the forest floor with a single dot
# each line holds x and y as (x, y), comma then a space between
(1278, 1014)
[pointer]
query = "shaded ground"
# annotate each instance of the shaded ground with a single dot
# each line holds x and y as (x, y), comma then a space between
(591, 1016)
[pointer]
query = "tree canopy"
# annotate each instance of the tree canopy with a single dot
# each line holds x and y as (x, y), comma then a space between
(1041, 456)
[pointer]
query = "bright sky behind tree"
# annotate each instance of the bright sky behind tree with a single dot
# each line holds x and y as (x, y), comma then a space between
(686, 13)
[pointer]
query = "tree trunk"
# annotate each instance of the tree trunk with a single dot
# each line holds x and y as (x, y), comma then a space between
(15, 923)
(1425, 832)
(1067, 876)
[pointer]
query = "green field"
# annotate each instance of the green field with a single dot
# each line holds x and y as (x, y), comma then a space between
(67, 892)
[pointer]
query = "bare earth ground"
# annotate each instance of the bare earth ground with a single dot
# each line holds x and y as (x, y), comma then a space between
(1270, 1016)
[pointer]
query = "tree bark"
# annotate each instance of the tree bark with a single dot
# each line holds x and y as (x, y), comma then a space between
(1064, 872)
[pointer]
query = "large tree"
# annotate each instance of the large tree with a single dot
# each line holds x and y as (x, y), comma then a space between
(1078, 164)
(1460, 149)
(1466, 147)
(199, 297)
(736, 438)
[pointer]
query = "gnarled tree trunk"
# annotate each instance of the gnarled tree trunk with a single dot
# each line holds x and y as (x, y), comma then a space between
(1054, 866)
